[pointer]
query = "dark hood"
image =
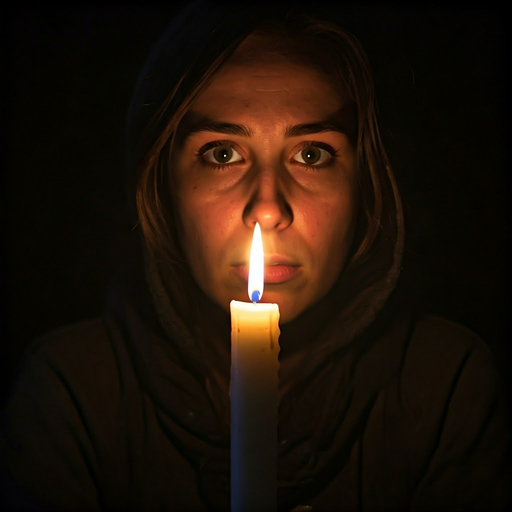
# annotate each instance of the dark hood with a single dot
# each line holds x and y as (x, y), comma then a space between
(180, 363)
(191, 41)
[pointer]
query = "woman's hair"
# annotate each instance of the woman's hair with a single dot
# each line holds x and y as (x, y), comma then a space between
(380, 210)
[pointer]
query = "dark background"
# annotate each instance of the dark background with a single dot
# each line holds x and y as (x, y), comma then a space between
(440, 74)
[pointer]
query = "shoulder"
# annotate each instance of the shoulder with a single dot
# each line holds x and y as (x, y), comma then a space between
(86, 332)
(61, 413)
(443, 344)
(80, 343)
(455, 397)
(76, 360)
(445, 362)
(445, 333)
(421, 346)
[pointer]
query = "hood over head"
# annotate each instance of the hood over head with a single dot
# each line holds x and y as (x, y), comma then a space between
(191, 349)
(188, 54)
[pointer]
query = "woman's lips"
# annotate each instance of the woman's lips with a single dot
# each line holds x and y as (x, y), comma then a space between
(274, 274)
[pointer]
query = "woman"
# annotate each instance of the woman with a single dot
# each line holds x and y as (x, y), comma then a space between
(244, 117)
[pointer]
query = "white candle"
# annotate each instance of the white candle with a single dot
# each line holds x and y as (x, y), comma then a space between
(253, 390)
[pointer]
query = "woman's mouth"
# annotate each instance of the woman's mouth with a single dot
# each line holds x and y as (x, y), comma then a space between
(274, 274)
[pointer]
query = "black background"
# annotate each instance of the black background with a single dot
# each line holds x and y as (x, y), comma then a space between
(440, 74)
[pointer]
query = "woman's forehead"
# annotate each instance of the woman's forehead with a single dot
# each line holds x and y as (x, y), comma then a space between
(274, 61)
(271, 85)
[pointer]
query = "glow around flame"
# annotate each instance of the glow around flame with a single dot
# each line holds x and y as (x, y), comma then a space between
(256, 266)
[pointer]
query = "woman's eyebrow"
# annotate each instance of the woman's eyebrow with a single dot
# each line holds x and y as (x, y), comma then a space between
(310, 128)
(192, 124)
(227, 128)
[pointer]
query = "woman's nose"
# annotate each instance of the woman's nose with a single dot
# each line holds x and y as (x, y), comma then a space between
(268, 204)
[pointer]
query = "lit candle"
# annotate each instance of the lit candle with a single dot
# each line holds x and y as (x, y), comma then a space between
(254, 384)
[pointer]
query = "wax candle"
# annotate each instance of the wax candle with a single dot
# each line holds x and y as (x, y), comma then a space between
(254, 385)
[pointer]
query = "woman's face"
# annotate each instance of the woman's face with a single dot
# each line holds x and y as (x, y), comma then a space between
(268, 141)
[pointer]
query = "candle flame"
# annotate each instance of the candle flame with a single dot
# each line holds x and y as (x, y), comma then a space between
(256, 266)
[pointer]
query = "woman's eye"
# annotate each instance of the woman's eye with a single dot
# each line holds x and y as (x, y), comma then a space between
(222, 155)
(312, 155)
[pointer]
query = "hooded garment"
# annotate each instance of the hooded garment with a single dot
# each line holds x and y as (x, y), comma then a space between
(381, 407)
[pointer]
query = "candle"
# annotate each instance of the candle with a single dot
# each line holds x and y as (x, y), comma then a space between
(253, 391)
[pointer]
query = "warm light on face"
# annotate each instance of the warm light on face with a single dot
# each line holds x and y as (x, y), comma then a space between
(256, 266)
(308, 212)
